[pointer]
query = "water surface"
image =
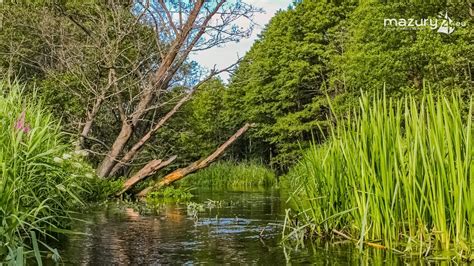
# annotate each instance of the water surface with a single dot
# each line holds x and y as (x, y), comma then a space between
(222, 228)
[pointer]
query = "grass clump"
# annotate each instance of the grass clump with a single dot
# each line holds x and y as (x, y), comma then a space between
(40, 179)
(169, 194)
(231, 175)
(398, 173)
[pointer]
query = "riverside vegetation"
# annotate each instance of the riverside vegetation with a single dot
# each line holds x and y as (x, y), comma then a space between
(396, 174)
(231, 175)
(102, 95)
(42, 179)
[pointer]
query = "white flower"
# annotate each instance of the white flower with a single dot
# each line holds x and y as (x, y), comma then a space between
(66, 156)
(77, 165)
(81, 153)
(88, 175)
(57, 160)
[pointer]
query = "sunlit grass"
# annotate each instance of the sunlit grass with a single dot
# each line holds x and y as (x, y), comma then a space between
(398, 173)
(232, 175)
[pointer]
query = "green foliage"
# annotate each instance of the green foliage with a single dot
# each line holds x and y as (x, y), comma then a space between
(397, 171)
(231, 175)
(69, 49)
(39, 180)
(199, 127)
(168, 194)
(369, 55)
(281, 75)
(318, 49)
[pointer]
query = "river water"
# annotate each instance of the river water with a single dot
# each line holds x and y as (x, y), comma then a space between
(219, 228)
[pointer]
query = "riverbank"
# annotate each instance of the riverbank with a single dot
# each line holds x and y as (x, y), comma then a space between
(396, 175)
(42, 180)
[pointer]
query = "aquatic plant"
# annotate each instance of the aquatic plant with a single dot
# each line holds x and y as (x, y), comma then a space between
(232, 175)
(168, 194)
(396, 174)
(193, 209)
(21, 124)
(39, 184)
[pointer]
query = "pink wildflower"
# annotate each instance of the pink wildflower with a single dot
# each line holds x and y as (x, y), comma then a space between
(21, 124)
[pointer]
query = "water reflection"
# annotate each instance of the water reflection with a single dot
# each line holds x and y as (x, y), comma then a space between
(241, 230)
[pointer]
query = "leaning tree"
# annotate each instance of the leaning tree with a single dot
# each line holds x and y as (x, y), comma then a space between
(119, 59)
(181, 27)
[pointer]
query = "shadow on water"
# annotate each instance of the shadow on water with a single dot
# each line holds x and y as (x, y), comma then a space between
(234, 227)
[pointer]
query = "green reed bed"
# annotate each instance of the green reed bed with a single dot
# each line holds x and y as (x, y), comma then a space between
(396, 174)
(232, 175)
(39, 180)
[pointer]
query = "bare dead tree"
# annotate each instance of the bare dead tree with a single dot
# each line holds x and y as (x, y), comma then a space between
(93, 49)
(130, 154)
(149, 169)
(181, 27)
(122, 59)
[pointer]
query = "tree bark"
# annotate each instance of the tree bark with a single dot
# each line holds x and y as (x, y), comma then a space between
(110, 159)
(133, 151)
(88, 124)
(128, 157)
(149, 169)
(200, 164)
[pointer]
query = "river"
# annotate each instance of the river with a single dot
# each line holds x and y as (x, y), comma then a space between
(221, 227)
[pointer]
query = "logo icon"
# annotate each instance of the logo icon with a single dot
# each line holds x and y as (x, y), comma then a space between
(446, 23)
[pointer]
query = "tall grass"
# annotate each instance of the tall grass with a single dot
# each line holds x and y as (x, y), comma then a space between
(397, 172)
(232, 175)
(39, 180)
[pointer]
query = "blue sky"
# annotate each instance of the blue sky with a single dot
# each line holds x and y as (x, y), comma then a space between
(229, 53)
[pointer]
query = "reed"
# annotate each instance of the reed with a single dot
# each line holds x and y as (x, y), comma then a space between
(397, 172)
(232, 175)
(39, 181)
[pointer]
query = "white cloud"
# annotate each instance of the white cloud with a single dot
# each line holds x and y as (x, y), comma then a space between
(222, 57)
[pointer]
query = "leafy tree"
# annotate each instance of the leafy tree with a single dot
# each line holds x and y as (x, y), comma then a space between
(370, 56)
(197, 129)
(283, 77)
(319, 49)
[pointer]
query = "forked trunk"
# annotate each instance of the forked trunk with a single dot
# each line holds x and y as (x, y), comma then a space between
(89, 121)
(136, 148)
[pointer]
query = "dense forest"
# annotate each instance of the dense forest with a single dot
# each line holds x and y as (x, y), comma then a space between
(117, 79)
(305, 54)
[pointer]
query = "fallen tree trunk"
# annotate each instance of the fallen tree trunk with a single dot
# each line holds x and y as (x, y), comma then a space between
(182, 172)
(148, 170)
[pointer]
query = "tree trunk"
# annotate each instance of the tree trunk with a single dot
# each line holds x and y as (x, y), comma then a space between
(88, 124)
(149, 169)
(110, 159)
(200, 164)
(136, 148)
(161, 79)
(128, 157)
